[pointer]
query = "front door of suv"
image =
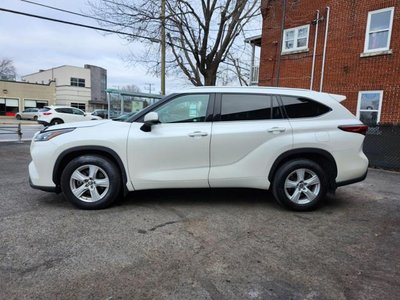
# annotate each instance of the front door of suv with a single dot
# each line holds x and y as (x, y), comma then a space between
(175, 153)
(248, 133)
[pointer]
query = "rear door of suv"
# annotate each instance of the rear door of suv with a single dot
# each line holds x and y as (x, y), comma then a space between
(249, 131)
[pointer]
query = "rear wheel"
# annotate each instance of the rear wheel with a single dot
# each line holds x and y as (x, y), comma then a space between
(35, 118)
(56, 121)
(300, 185)
(18, 117)
(91, 182)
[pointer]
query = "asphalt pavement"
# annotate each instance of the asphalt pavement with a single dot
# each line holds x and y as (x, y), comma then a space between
(197, 244)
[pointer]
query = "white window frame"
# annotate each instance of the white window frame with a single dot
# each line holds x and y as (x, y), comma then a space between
(296, 32)
(367, 31)
(360, 93)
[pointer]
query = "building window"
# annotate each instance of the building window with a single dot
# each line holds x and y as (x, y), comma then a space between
(31, 103)
(79, 105)
(77, 82)
(369, 106)
(379, 30)
(295, 39)
(9, 107)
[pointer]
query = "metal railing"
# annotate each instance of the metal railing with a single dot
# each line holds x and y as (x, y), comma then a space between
(12, 129)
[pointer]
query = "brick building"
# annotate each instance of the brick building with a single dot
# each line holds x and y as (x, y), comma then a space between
(362, 53)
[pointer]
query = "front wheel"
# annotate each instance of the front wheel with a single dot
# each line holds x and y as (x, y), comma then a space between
(91, 182)
(300, 185)
(56, 122)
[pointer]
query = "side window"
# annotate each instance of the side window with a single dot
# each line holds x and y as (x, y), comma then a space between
(183, 109)
(64, 110)
(247, 107)
(298, 107)
(77, 112)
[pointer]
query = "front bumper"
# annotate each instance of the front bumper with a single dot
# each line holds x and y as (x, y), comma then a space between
(51, 189)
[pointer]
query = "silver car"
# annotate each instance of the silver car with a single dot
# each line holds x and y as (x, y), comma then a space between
(28, 114)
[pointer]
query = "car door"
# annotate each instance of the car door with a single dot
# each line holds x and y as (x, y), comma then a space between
(175, 153)
(248, 133)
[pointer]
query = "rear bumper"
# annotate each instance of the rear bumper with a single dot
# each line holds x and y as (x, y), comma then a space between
(351, 181)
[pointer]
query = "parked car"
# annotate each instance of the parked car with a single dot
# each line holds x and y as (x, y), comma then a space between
(28, 114)
(297, 143)
(102, 113)
(53, 115)
(124, 117)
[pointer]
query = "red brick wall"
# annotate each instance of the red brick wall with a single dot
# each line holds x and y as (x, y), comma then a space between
(345, 71)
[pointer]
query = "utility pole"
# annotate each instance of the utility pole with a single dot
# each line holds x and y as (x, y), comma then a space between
(163, 47)
(150, 87)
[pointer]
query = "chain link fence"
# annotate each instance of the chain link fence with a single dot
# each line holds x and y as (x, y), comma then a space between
(382, 146)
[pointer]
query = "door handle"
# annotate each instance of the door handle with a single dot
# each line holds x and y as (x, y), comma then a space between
(277, 129)
(198, 134)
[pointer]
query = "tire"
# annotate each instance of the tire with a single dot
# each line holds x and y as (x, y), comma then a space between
(91, 191)
(300, 185)
(18, 117)
(56, 121)
(35, 118)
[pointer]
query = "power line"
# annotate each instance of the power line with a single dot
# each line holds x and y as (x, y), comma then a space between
(78, 24)
(154, 40)
(69, 12)
(104, 20)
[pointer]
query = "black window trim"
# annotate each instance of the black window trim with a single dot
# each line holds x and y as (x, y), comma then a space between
(139, 117)
(218, 106)
(283, 110)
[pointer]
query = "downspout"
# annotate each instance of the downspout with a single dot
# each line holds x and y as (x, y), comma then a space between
(253, 54)
(328, 10)
(315, 51)
(280, 48)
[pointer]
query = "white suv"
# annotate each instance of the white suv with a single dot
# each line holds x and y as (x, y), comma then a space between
(53, 115)
(298, 143)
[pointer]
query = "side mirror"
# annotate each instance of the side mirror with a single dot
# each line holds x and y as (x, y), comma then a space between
(150, 119)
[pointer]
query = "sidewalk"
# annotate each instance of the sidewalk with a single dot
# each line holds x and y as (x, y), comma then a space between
(13, 121)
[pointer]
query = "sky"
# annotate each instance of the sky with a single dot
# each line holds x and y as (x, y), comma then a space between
(35, 44)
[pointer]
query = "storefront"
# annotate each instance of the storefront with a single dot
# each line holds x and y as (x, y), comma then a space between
(34, 103)
(9, 106)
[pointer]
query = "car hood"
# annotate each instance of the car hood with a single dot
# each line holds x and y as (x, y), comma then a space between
(91, 123)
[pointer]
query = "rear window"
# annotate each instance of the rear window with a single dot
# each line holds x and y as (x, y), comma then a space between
(298, 107)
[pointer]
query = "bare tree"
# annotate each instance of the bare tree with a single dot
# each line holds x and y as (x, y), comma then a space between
(200, 34)
(133, 88)
(7, 69)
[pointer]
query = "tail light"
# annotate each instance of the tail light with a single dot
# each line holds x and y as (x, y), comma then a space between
(362, 129)
(47, 113)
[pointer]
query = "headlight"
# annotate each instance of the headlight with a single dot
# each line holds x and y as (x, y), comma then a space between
(48, 135)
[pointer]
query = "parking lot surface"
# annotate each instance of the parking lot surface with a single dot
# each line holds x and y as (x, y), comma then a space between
(197, 244)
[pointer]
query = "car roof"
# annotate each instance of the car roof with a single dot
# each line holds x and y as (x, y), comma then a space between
(262, 90)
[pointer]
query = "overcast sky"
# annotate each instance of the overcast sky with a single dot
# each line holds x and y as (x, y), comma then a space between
(35, 44)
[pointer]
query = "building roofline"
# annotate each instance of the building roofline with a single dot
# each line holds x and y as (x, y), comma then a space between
(256, 40)
(31, 83)
(44, 70)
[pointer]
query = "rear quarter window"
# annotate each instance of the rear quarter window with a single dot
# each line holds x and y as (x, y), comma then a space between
(299, 107)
